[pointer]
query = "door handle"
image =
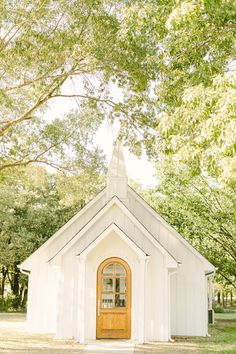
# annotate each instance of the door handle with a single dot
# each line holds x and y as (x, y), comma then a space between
(98, 307)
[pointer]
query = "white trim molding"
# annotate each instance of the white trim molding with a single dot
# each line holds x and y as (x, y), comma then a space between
(170, 260)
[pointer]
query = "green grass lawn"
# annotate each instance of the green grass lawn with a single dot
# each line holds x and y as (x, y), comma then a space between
(222, 340)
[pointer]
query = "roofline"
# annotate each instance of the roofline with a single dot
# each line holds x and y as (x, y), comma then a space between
(115, 200)
(64, 227)
(163, 221)
(113, 227)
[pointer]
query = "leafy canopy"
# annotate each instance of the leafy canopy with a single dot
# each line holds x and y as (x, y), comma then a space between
(172, 60)
(201, 210)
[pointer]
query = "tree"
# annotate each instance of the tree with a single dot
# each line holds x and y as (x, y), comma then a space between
(45, 42)
(34, 206)
(202, 211)
(190, 109)
(173, 61)
(64, 144)
(202, 131)
(163, 55)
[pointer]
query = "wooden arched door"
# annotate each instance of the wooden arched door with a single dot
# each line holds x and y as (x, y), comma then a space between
(113, 299)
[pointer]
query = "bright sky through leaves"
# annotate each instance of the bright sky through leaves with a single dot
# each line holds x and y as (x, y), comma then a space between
(138, 169)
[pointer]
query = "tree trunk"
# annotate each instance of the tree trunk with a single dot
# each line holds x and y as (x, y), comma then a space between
(2, 281)
(218, 297)
(24, 297)
(14, 280)
(223, 298)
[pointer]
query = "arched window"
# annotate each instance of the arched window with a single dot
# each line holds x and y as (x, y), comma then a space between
(114, 289)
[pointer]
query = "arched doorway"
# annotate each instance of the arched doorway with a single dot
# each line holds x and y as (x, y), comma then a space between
(113, 299)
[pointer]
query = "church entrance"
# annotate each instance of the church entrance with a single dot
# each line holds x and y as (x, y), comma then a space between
(113, 299)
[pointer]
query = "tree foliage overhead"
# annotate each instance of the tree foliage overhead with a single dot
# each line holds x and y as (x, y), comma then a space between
(45, 42)
(64, 144)
(166, 56)
(202, 211)
(190, 109)
(42, 44)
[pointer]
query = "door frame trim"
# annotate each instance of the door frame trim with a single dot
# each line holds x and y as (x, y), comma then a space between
(80, 294)
(129, 288)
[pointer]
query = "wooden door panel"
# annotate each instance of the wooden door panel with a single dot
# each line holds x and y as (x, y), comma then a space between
(114, 321)
(113, 299)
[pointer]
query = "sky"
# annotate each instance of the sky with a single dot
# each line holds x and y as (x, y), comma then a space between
(138, 169)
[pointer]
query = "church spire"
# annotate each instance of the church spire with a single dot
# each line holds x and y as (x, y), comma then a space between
(116, 176)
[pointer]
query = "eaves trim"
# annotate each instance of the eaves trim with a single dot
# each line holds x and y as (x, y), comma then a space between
(120, 229)
(209, 265)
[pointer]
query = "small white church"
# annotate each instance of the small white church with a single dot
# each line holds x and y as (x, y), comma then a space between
(117, 269)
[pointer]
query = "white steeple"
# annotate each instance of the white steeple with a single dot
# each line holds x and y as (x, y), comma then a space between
(116, 176)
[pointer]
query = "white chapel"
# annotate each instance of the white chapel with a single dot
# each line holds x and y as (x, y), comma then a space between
(117, 269)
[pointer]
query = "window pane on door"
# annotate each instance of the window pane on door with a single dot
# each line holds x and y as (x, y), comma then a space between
(120, 300)
(107, 301)
(120, 270)
(107, 285)
(120, 285)
(109, 269)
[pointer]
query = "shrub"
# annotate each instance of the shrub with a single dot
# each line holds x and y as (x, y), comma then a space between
(218, 309)
(10, 303)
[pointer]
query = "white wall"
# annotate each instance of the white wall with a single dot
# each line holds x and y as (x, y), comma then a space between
(156, 307)
(188, 287)
(42, 299)
(188, 292)
(112, 246)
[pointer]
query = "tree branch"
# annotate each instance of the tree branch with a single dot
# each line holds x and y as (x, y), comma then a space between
(42, 99)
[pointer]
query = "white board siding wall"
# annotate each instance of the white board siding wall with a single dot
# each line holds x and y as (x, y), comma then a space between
(41, 308)
(156, 316)
(116, 215)
(156, 296)
(68, 320)
(66, 326)
(188, 304)
(111, 246)
(188, 293)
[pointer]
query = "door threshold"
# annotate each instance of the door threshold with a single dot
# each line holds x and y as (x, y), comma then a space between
(109, 341)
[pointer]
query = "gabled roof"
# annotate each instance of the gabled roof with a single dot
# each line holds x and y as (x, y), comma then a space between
(208, 265)
(116, 192)
(58, 233)
(115, 201)
(113, 228)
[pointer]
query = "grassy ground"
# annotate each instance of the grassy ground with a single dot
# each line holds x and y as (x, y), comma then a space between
(14, 339)
(222, 340)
